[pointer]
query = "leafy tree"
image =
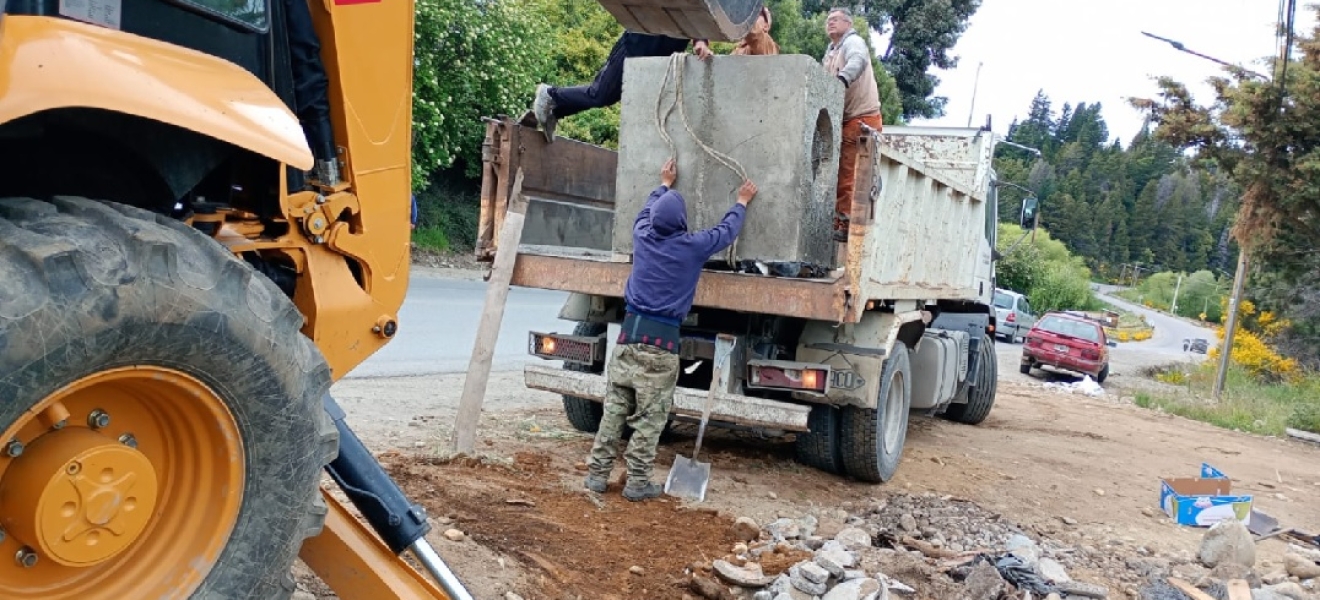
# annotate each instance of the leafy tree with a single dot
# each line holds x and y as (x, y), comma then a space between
(470, 60)
(1265, 136)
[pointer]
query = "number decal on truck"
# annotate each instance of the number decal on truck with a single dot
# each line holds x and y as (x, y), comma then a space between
(846, 380)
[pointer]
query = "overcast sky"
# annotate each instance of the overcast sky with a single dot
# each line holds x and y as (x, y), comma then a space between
(1093, 51)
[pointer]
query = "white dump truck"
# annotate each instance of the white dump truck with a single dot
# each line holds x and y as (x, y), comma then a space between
(834, 348)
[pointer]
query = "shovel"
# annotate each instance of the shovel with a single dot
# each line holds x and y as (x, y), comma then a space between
(689, 478)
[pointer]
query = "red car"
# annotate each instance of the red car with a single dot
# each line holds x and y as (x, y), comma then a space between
(1068, 343)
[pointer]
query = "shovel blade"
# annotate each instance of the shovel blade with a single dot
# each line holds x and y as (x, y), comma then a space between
(688, 479)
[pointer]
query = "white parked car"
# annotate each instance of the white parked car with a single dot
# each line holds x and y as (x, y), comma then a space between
(1013, 315)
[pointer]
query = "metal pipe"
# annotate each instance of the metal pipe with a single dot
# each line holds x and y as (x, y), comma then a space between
(448, 581)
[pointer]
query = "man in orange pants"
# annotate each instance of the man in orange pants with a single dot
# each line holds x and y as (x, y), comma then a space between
(848, 59)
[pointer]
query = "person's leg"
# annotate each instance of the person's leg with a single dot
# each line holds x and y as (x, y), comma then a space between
(654, 384)
(554, 103)
(620, 401)
(852, 130)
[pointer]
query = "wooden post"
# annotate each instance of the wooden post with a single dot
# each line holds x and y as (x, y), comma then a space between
(1230, 324)
(488, 328)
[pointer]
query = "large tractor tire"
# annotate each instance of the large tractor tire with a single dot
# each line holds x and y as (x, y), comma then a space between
(820, 447)
(163, 428)
(582, 413)
(873, 438)
(981, 397)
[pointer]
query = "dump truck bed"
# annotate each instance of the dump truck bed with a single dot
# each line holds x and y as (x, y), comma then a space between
(919, 237)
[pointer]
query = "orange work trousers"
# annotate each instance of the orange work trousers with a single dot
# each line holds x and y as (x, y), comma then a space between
(852, 130)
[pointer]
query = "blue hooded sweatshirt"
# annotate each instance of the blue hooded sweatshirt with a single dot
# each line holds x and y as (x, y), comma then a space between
(667, 259)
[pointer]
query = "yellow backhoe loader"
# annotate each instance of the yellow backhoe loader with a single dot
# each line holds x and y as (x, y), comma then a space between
(204, 210)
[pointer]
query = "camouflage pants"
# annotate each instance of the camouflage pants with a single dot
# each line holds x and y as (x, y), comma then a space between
(641, 391)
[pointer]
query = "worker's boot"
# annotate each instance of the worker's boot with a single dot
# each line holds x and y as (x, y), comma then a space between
(637, 493)
(544, 109)
(595, 484)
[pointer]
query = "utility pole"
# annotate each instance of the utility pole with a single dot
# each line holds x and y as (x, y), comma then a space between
(975, 84)
(1173, 308)
(1230, 325)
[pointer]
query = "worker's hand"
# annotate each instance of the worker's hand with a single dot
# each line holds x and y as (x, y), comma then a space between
(669, 173)
(702, 48)
(746, 192)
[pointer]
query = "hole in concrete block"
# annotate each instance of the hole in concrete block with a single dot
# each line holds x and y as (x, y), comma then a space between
(822, 142)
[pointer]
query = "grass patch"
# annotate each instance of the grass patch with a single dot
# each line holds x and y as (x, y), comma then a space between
(431, 238)
(448, 213)
(1246, 404)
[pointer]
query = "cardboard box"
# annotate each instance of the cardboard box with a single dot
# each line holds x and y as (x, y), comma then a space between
(1203, 501)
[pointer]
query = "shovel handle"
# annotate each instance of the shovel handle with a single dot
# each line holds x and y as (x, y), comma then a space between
(724, 344)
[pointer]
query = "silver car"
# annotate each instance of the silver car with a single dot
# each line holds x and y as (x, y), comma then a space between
(1013, 315)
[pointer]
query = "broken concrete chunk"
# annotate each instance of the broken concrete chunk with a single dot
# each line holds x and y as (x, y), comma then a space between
(1228, 541)
(749, 576)
(784, 529)
(813, 572)
(763, 595)
(853, 574)
(835, 561)
(857, 589)
(1052, 571)
(1086, 590)
(1291, 590)
(853, 538)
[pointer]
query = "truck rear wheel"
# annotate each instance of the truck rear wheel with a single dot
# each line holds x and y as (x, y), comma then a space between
(582, 413)
(820, 447)
(873, 438)
(161, 411)
(981, 397)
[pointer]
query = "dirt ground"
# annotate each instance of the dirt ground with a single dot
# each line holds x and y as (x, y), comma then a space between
(1074, 468)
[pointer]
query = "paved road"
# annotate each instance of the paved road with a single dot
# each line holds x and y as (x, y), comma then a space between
(438, 326)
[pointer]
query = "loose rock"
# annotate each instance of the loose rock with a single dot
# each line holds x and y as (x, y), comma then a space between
(1228, 541)
(302, 595)
(1300, 567)
(784, 529)
(984, 582)
(512, 596)
(908, 522)
(454, 535)
(835, 561)
(746, 529)
(636, 570)
(813, 572)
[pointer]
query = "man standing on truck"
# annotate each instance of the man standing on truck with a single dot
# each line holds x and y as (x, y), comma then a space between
(554, 103)
(848, 59)
(643, 370)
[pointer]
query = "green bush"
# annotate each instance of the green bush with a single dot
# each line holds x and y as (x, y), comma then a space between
(472, 59)
(1050, 276)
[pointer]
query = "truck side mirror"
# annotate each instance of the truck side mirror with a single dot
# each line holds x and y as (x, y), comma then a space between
(1028, 218)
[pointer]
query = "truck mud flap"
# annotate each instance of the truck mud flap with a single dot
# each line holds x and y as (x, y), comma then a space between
(730, 408)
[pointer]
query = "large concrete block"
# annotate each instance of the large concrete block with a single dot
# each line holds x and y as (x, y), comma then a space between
(777, 116)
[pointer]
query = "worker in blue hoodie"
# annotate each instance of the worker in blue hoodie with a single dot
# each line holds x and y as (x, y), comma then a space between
(643, 370)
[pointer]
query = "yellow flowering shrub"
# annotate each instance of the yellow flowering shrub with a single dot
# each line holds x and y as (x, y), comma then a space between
(1250, 349)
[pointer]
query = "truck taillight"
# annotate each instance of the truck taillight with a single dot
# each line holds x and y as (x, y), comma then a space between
(569, 348)
(788, 376)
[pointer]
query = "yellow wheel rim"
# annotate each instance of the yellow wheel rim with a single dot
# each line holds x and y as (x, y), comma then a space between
(124, 484)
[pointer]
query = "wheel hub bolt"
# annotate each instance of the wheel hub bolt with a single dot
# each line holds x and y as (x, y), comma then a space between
(14, 449)
(26, 557)
(98, 419)
(128, 440)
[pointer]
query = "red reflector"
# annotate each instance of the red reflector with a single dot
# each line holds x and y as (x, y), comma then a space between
(796, 379)
(1011, 318)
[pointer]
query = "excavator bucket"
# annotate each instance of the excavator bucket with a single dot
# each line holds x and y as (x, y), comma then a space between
(714, 20)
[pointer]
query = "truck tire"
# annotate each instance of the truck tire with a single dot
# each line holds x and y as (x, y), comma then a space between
(135, 349)
(582, 413)
(981, 397)
(820, 447)
(873, 438)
